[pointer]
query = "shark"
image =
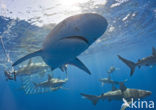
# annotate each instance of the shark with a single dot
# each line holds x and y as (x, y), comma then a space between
(69, 39)
(147, 61)
(123, 93)
(108, 80)
(32, 68)
(51, 84)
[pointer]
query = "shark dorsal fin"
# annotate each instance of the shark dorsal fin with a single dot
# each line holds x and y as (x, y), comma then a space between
(153, 51)
(29, 63)
(122, 87)
(49, 77)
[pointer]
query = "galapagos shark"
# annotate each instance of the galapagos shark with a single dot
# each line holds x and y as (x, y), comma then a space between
(119, 94)
(69, 39)
(108, 80)
(52, 84)
(32, 68)
(147, 61)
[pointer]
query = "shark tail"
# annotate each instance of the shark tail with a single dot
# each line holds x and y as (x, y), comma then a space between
(34, 54)
(130, 64)
(94, 99)
(35, 84)
(30, 87)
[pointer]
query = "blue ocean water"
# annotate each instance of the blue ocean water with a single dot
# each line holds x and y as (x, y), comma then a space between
(131, 34)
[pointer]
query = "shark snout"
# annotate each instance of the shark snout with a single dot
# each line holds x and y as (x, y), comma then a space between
(148, 93)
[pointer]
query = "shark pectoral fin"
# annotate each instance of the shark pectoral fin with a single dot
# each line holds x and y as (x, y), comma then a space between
(153, 51)
(63, 68)
(37, 53)
(122, 87)
(79, 64)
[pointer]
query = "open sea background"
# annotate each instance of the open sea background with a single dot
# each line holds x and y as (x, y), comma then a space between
(131, 33)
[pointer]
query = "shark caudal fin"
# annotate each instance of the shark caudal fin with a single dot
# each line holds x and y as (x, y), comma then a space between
(130, 64)
(35, 84)
(94, 99)
(31, 87)
(37, 53)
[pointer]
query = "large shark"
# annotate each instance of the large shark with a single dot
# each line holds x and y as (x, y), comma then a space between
(147, 61)
(69, 39)
(119, 94)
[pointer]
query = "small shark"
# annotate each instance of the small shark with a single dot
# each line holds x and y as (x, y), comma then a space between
(32, 68)
(52, 84)
(108, 80)
(119, 94)
(150, 60)
(69, 39)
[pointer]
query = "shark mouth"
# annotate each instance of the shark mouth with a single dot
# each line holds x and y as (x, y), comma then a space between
(78, 38)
